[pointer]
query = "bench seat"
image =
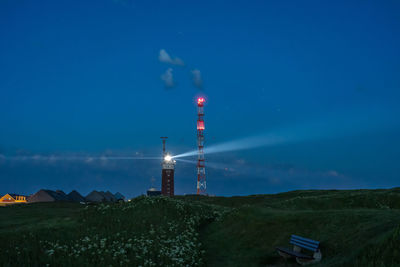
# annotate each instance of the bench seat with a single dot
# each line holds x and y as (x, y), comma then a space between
(294, 253)
(301, 243)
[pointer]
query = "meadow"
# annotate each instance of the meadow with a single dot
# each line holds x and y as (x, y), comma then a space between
(355, 227)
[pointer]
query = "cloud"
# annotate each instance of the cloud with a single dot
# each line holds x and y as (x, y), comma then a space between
(274, 180)
(166, 58)
(168, 78)
(332, 173)
(196, 77)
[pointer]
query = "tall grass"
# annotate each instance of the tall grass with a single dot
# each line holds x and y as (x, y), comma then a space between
(355, 228)
(144, 232)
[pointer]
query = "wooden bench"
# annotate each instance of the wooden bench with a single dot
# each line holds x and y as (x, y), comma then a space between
(300, 243)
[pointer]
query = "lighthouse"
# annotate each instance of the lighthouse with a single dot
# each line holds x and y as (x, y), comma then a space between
(167, 174)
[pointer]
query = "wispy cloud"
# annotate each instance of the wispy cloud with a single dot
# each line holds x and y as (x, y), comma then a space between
(168, 78)
(197, 80)
(166, 58)
(332, 173)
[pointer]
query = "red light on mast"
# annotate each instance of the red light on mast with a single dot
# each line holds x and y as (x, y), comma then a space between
(200, 125)
(200, 100)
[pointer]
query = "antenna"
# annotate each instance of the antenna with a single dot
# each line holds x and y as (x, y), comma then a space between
(164, 139)
(201, 169)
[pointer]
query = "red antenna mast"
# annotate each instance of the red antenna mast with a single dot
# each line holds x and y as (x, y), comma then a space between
(201, 170)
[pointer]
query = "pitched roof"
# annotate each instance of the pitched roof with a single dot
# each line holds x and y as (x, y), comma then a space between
(110, 196)
(106, 198)
(75, 196)
(60, 192)
(41, 196)
(95, 196)
(44, 195)
(119, 196)
(6, 197)
(58, 195)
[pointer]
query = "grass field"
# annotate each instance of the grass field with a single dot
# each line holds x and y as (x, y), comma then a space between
(356, 228)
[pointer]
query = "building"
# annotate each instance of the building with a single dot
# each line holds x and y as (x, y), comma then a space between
(101, 196)
(45, 195)
(109, 196)
(95, 196)
(167, 176)
(74, 196)
(153, 192)
(119, 197)
(12, 198)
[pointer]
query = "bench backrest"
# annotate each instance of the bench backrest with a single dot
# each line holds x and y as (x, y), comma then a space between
(304, 243)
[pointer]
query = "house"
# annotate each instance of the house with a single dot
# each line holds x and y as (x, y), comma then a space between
(61, 192)
(13, 198)
(101, 196)
(109, 196)
(74, 196)
(119, 197)
(95, 196)
(45, 195)
(153, 192)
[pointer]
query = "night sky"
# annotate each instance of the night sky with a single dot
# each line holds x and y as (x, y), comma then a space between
(82, 80)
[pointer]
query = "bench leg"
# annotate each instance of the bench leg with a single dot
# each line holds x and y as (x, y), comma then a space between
(317, 257)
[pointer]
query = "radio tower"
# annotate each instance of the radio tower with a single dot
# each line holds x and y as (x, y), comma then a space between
(201, 170)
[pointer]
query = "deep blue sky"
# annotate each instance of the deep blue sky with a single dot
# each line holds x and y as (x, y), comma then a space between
(78, 78)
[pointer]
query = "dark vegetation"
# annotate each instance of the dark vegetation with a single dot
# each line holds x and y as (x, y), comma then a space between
(355, 227)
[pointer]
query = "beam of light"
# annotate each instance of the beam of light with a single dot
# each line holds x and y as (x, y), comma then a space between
(274, 175)
(74, 158)
(187, 161)
(337, 126)
(239, 144)
(213, 165)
